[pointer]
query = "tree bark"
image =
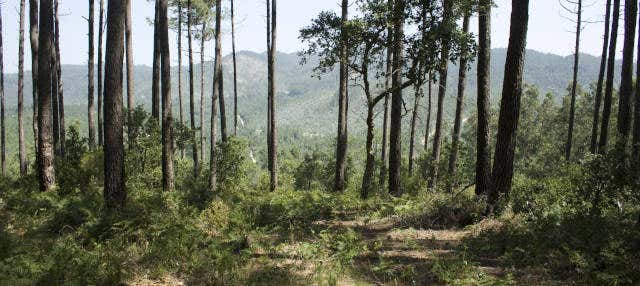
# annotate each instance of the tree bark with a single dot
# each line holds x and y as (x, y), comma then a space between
(635, 149)
(180, 106)
(414, 122)
(131, 132)
(483, 155)
(387, 84)
(90, 86)
(343, 102)
(33, 34)
(442, 91)
(223, 113)
(425, 173)
(202, 43)
(3, 143)
(21, 144)
(395, 154)
(61, 123)
(114, 182)
(167, 118)
(608, 94)
(371, 159)
(217, 81)
(272, 104)
(510, 104)
(100, 77)
(574, 84)
(155, 84)
(235, 71)
(46, 168)
(192, 107)
(457, 125)
(601, 74)
(54, 90)
(626, 84)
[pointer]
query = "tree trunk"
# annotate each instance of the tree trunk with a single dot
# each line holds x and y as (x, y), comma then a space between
(442, 91)
(62, 133)
(192, 106)
(414, 122)
(90, 92)
(385, 121)
(3, 143)
(457, 125)
(626, 83)
(217, 81)
(235, 71)
(131, 132)
(395, 154)
(223, 114)
(343, 101)
(167, 118)
(46, 168)
(202, 43)
(100, 77)
(574, 84)
(21, 148)
(601, 74)
(54, 91)
(608, 94)
(635, 149)
(155, 84)
(269, 149)
(114, 183)
(180, 106)
(272, 104)
(510, 104)
(33, 34)
(425, 173)
(371, 159)
(483, 156)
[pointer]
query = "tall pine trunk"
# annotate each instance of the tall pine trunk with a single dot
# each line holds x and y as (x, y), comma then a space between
(90, 86)
(180, 105)
(46, 168)
(608, 94)
(3, 142)
(425, 172)
(131, 132)
(510, 104)
(414, 122)
(217, 81)
(202, 43)
(601, 74)
(21, 148)
(33, 34)
(167, 118)
(635, 149)
(395, 147)
(155, 84)
(457, 125)
(387, 84)
(272, 103)
(235, 70)
(114, 182)
(100, 77)
(61, 123)
(192, 107)
(483, 156)
(626, 83)
(442, 91)
(343, 103)
(574, 84)
(54, 90)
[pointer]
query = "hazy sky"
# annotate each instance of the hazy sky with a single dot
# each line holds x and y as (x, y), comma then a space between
(549, 31)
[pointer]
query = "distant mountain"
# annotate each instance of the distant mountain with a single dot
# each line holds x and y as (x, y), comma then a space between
(306, 103)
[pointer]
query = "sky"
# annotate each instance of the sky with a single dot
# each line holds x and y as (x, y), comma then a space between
(549, 29)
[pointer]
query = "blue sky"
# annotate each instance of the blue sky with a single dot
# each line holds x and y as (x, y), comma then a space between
(549, 31)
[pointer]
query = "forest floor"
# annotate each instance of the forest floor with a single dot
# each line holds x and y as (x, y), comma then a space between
(385, 252)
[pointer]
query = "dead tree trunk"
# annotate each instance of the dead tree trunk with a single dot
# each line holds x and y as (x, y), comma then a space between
(601, 74)
(608, 94)
(46, 168)
(114, 182)
(510, 105)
